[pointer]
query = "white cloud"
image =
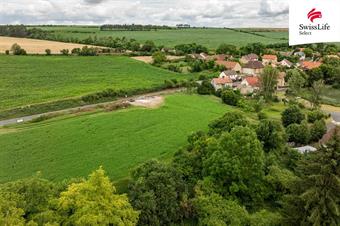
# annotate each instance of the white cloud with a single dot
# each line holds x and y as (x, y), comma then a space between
(216, 13)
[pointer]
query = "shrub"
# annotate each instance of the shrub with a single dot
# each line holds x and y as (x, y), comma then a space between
(317, 130)
(174, 68)
(231, 97)
(76, 51)
(64, 52)
(205, 88)
(315, 115)
(158, 57)
(48, 52)
(7, 52)
(292, 114)
(299, 134)
(17, 50)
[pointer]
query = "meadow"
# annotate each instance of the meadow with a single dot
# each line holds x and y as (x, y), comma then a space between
(209, 37)
(26, 80)
(73, 146)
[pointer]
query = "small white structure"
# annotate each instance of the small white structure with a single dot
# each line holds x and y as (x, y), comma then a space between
(286, 63)
(221, 83)
(305, 149)
(231, 74)
(301, 55)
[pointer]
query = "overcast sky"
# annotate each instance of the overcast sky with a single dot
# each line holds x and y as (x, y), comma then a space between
(215, 13)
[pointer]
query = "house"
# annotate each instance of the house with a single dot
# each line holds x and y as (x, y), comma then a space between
(269, 59)
(221, 83)
(249, 84)
(253, 67)
(305, 149)
(221, 57)
(309, 65)
(250, 57)
(281, 80)
(301, 55)
(231, 74)
(286, 63)
(229, 65)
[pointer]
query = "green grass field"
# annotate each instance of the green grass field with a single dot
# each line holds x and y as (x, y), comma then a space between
(26, 80)
(211, 37)
(74, 146)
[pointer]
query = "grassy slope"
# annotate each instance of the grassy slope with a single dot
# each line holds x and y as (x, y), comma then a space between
(210, 38)
(73, 147)
(26, 80)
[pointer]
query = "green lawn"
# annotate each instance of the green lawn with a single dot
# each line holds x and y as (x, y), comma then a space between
(72, 147)
(210, 37)
(26, 80)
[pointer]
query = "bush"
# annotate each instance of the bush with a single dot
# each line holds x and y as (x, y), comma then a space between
(291, 115)
(299, 134)
(205, 88)
(315, 115)
(7, 52)
(158, 57)
(48, 52)
(76, 51)
(261, 115)
(231, 97)
(174, 68)
(17, 50)
(317, 130)
(64, 52)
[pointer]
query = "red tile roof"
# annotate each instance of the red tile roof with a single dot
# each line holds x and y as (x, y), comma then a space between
(310, 64)
(227, 64)
(222, 81)
(269, 57)
(252, 80)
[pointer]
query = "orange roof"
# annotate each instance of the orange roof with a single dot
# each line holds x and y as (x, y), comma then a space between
(227, 64)
(222, 81)
(310, 64)
(252, 80)
(269, 57)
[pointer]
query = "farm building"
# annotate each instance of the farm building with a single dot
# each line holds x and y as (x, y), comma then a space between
(269, 59)
(253, 67)
(249, 84)
(250, 57)
(309, 65)
(230, 65)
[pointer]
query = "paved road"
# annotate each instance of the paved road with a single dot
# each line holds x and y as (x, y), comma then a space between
(91, 106)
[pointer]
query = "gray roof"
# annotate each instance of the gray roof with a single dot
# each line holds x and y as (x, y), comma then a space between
(230, 72)
(254, 65)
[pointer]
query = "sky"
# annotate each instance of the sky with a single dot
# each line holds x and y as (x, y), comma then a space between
(209, 13)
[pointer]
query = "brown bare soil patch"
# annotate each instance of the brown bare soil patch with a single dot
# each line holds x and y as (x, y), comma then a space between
(35, 46)
(148, 102)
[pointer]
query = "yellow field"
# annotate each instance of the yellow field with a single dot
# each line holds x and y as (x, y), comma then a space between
(34, 46)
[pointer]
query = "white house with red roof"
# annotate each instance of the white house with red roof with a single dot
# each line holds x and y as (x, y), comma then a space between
(269, 59)
(221, 83)
(249, 84)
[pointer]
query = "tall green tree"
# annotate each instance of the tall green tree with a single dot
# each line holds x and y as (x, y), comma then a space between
(156, 190)
(94, 202)
(296, 81)
(236, 162)
(268, 82)
(316, 92)
(316, 200)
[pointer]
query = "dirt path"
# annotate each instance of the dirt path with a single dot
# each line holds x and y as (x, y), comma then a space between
(153, 99)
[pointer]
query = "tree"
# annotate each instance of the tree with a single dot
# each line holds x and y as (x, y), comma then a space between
(226, 49)
(315, 199)
(296, 81)
(316, 91)
(231, 97)
(236, 162)
(315, 115)
(17, 50)
(205, 88)
(214, 210)
(64, 52)
(308, 52)
(148, 46)
(156, 190)
(93, 202)
(299, 134)
(268, 82)
(317, 130)
(48, 52)
(292, 114)
(158, 57)
(271, 134)
(10, 212)
(227, 122)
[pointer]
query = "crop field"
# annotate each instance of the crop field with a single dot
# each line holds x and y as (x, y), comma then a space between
(26, 80)
(34, 46)
(210, 37)
(74, 146)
